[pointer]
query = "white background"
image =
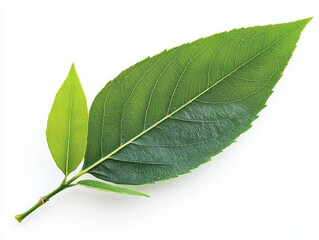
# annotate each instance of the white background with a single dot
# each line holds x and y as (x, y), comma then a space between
(265, 186)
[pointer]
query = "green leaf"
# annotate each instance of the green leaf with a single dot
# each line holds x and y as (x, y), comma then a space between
(67, 124)
(104, 187)
(172, 112)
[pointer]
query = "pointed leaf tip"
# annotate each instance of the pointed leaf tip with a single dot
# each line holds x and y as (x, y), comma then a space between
(308, 19)
(303, 21)
(73, 72)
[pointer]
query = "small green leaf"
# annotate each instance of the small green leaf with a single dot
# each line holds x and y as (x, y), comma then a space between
(109, 188)
(67, 124)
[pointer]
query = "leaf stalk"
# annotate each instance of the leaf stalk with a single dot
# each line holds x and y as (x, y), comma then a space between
(65, 184)
(41, 202)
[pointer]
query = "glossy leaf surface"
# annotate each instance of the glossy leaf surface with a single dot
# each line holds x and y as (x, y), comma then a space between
(104, 187)
(172, 112)
(67, 124)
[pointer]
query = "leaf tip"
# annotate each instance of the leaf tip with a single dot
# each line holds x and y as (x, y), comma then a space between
(145, 195)
(72, 69)
(304, 21)
(307, 20)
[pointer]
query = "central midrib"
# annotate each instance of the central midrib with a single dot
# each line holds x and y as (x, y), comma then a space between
(69, 131)
(184, 105)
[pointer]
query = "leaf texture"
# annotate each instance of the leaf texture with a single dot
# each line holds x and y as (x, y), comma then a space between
(67, 124)
(104, 187)
(172, 112)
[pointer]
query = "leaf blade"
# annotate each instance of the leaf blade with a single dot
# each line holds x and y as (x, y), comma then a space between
(67, 124)
(152, 96)
(104, 187)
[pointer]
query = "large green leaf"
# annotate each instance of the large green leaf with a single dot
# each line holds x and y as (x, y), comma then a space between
(67, 124)
(104, 187)
(170, 113)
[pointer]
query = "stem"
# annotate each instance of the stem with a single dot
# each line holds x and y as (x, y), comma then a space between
(65, 184)
(42, 201)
